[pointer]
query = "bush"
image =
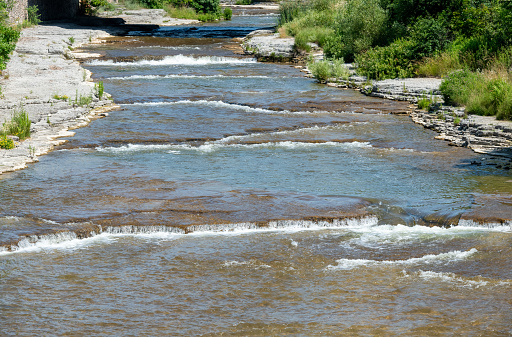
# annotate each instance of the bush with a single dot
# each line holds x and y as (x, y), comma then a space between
(6, 143)
(228, 13)
(33, 15)
(429, 36)
(181, 12)
(325, 69)
(359, 25)
(153, 4)
(485, 94)
(289, 10)
(206, 6)
(8, 39)
(19, 125)
(456, 88)
(442, 63)
(393, 61)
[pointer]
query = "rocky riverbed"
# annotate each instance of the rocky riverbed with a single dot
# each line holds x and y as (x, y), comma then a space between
(479, 133)
(44, 78)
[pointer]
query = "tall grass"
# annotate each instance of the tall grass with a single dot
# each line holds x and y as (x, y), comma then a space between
(19, 125)
(181, 12)
(327, 69)
(486, 93)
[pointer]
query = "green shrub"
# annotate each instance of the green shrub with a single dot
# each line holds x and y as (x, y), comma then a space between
(207, 17)
(325, 69)
(429, 36)
(393, 61)
(359, 25)
(457, 87)
(321, 70)
(8, 39)
(99, 88)
(152, 4)
(424, 103)
(6, 143)
(482, 94)
(441, 64)
(206, 7)
(181, 12)
(33, 17)
(228, 13)
(289, 10)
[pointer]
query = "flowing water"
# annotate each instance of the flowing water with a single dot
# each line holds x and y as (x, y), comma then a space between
(229, 197)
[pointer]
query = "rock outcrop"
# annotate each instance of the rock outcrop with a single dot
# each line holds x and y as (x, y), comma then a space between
(44, 80)
(266, 45)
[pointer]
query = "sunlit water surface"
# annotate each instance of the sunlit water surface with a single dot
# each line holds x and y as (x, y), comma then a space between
(205, 136)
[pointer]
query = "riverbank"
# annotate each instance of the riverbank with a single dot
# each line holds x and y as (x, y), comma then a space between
(44, 78)
(482, 134)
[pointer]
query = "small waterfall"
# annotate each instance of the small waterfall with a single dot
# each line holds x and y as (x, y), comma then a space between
(51, 239)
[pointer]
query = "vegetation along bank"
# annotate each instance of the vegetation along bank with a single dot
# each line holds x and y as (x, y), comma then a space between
(466, 43)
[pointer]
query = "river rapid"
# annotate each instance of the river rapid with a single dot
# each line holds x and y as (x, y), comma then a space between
(229, 197)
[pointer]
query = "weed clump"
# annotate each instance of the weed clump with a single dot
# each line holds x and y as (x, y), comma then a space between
(6, 143)
(19, 125)
(326, 69)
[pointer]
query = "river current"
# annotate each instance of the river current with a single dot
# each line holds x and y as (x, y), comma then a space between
(229, 197)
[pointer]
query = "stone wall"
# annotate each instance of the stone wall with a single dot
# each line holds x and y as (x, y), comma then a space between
(48, 9)
(18, 13)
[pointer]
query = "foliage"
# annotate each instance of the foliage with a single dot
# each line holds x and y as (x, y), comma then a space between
(181, 12)
(6, 143)
(483, 93)
(206, 10)
(395, 60)
(33, 15)
(91, 7)
(325, 69)
(358, 26)
(8, 38)
(228, 13)
(19, 125)
(100, 89)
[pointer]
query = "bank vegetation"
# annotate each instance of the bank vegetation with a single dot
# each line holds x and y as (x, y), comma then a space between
(467, 42)
(202, 10)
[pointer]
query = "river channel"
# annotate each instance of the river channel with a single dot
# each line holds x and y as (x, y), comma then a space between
(229, 197)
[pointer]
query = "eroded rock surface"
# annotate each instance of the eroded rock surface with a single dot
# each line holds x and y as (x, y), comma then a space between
(43, 79)
(266, 45)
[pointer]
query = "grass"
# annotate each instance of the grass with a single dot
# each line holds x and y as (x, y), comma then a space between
(424, 103)
(100, 89)
(326, 69)
(486, 93)
(19, 125)
(60, 97)
(181, 12)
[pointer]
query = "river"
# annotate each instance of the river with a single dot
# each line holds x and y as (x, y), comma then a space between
(229, 197)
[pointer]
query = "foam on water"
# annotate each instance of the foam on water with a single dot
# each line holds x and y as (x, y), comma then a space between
(495, 226)
(210, 147)
(348, 264)
(70, 240)
(216, 104)
(382, 235)
(163, 77)
(176, 60)
(456, 280)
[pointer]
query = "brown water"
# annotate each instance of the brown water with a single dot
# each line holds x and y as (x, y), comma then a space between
(233, 198)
